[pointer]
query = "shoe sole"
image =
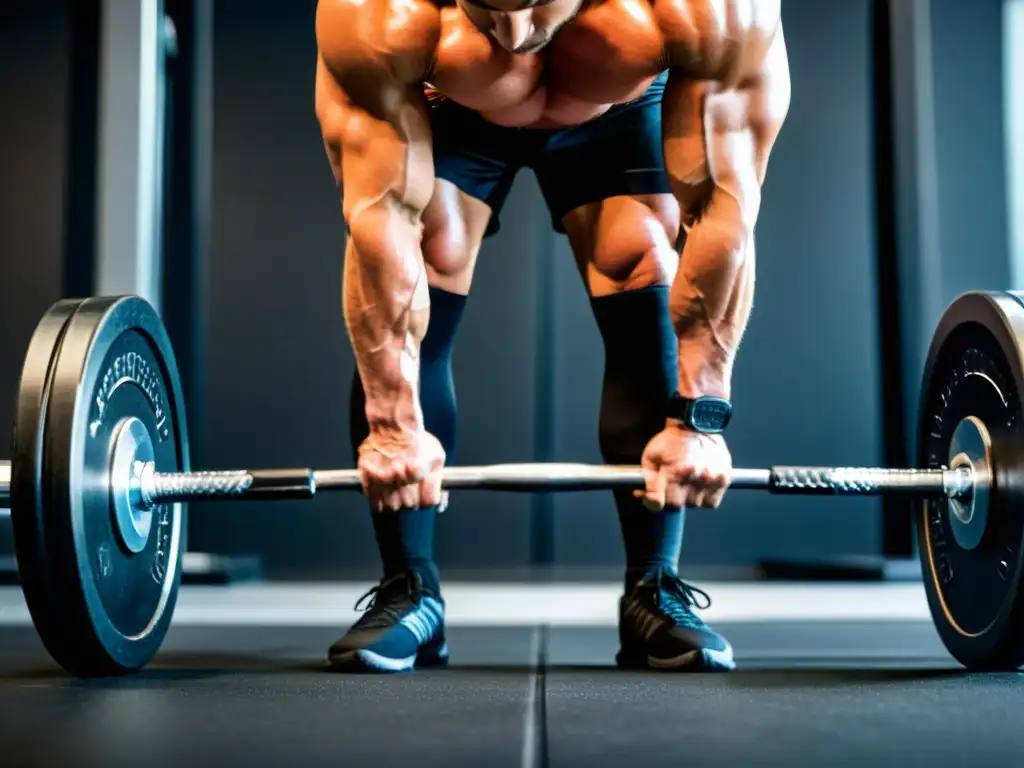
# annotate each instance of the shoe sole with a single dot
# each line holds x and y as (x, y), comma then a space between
(706, 660)
(363, 660)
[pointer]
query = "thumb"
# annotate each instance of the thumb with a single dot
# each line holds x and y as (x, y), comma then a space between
(654, 494)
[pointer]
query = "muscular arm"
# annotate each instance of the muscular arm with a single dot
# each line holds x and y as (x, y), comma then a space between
(370, 106)
(725, 103)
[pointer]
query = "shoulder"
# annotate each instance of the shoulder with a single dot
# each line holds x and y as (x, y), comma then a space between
(399, 36)
(718, 39)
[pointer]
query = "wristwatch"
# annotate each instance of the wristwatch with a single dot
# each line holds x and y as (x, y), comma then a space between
(709, 415)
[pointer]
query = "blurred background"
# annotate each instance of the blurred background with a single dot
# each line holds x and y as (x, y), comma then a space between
(189, 168)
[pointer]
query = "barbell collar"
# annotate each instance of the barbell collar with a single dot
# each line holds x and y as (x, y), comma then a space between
(156, 488)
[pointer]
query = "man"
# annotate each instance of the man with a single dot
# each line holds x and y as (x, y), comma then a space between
(648, 124)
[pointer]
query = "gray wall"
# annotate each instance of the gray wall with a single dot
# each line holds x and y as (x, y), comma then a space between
(967, 57)
(34, 50)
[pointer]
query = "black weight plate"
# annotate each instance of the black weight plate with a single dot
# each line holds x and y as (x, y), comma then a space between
(975, 367)
(30, 547)
(115, 362)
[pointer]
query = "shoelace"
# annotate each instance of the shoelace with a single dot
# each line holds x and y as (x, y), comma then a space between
(677, 599)
(378, 613)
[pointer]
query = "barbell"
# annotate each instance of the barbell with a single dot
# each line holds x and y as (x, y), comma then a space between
(99, 479)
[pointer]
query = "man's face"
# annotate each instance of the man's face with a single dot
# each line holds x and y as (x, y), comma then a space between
(520, 26)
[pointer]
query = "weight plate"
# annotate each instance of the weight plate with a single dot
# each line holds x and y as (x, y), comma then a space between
(972, 577)
(115, 366)
(26, 475)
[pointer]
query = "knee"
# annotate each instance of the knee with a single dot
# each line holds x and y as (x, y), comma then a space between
(634, 243)
(446, 249)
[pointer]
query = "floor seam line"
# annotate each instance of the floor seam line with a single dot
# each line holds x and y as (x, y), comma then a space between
(535, 727)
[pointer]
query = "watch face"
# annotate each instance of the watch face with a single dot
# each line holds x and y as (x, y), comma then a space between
(711, 414)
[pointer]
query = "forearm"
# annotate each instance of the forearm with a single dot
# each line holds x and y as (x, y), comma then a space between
(711, 298)
(386, 308)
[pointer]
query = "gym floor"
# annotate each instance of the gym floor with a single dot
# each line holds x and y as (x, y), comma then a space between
(828, 675)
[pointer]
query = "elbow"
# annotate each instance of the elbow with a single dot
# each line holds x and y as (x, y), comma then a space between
(730, 242)
(379, 223)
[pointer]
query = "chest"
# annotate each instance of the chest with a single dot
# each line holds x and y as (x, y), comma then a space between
(604, 56)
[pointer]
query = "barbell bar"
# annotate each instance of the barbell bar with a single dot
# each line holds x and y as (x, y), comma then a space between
(99, 479)
(150, 488)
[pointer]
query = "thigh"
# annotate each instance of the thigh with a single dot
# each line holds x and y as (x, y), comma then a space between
(625, 242)
(606, 187)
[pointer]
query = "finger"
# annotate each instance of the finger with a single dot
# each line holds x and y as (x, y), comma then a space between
(408, 496)
(650, 501)
(657, 484)
(414, 472)
(719, 484)
(675, 496)
(430, 492)
(695, 496)
(376, 470)
(648, 494)
(714, 501)
(653, 505)
(707, 482)
(390, 499)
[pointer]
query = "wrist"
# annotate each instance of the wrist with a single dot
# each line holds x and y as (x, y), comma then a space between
(397, 411)
(677, 427)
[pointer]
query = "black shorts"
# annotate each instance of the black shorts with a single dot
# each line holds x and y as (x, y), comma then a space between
(618, 153)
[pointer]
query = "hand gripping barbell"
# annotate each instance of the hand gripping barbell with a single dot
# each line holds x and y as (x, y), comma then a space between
(100, 475)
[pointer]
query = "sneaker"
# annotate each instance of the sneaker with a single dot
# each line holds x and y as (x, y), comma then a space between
(402, 628)
(658, 628)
